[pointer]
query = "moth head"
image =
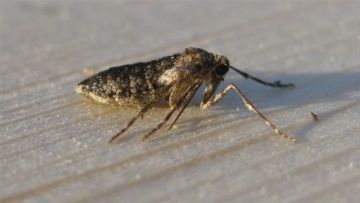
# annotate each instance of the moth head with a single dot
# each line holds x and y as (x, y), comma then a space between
(216, 76)
(221, 67)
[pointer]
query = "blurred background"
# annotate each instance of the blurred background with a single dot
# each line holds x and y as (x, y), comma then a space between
(53, 144)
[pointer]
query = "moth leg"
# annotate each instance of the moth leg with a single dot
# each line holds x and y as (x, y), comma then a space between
(175, 93)
(184, 99)
(187, 101)
(159, 125)
(132, 121)
(249, 106)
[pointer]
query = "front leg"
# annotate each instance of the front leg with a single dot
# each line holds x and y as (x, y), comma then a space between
(248, 105)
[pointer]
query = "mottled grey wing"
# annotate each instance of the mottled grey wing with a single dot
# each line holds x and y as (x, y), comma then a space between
(121, 85)
(134, 84)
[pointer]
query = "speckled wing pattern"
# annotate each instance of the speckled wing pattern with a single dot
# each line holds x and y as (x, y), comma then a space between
(134, 84)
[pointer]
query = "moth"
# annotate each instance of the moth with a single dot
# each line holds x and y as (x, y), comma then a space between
(176, 79)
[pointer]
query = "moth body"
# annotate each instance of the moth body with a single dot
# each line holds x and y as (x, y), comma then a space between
(175, 78)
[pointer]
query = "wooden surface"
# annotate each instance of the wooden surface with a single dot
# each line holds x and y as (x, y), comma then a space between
(53, 144)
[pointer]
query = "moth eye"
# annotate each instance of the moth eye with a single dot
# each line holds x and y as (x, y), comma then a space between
(221, 70)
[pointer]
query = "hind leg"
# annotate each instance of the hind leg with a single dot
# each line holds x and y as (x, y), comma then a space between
(132, 121)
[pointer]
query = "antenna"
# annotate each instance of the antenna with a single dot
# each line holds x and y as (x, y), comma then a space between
(277, 84)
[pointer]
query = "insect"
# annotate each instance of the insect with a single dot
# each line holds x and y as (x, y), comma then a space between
(176, 79)
(314, 116)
